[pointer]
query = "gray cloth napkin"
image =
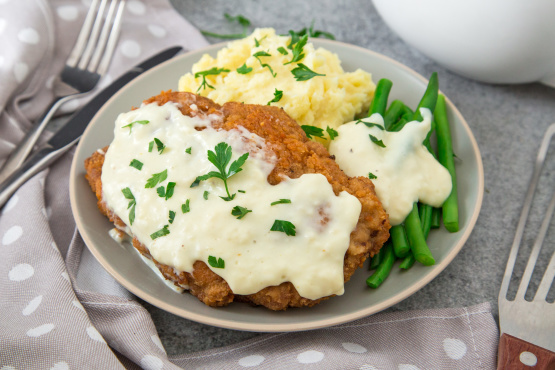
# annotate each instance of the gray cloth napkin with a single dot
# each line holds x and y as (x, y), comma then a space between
(61, 310)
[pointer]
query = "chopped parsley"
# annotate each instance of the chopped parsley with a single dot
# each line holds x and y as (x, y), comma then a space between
(136, 164)
(240, 212)
(188, 150)
(370, 124)
(171, 217)
(156, 179)
(281, 201)
(243, 21)
(264, 65)
(303, 73)
(143, 122)
(209, 72)
(241, 191)
(311, 131)
(295, 35)
(332, 133)
(377, 141)
(132, 203)
(166, 192)
(185, 208)
(205, 195)
(297, 50)
(162, 232)
(216, 262)
(221, 158)
(257, 43)
(244, 69)
(284, 226)
(278, 94)
(371, 176)
(159, 145)
(150, 146)
(282, 50)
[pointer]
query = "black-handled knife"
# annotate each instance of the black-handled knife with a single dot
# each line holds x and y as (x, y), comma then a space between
(72, 130)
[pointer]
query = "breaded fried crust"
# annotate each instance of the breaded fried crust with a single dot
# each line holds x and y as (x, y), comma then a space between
(296, 155)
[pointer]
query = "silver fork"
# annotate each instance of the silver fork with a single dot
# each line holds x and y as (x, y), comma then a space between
(84, 67)
(528, 327)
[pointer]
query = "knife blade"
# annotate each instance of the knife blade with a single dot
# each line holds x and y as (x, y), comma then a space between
(72, 130)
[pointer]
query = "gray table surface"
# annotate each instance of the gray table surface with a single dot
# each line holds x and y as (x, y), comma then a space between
(508, 122)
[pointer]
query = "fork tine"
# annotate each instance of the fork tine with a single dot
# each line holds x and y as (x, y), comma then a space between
(112, 40)
(83, 36)
(540, 159)
(536, 250)
(103, 38)
(549, 274)
(91, 43)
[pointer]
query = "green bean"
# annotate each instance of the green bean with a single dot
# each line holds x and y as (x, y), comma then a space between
(401, 246)
(425, 214)
(417, 242)
(397, 126)
(446, 158)
(436, 217)
(383, 270)
(407, 113)
(375, 261)
(429, 98)
(393, 113)
(407, 262)
(379, 103)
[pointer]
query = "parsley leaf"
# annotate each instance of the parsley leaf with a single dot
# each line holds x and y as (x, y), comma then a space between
(311, 131)
(332, 133)
(310, 32)
(167, 192)
(371, 176)
(282, 50)
(370, 124)
(244, 69)
(143, 122)
(185, 208)
(209, 72)
(188, 150)
(136, 164)
(297, 50)
(264, 65)
(284, 226)
(156, 179)
(281, 201)
(162, 232)
(150, 146)
(241, 191)
(171, 217)
(159, 145)
(303, 73)
(221, 158)
(216, 263)
(205, 195)
(132, 203)
(240, 212)
(257, 42)
(278, 94)
(243, 21)
(377, 141)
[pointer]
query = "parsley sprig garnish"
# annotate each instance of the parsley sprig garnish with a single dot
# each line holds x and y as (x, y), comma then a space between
(209, 72)
(142, 122)
(377, 141)
(221, 158)
(371, 176)
(185, 207)
(171, 216)
(243, 21)
(303, 73)
(264, 65)
(132, 203)
(240, 212)
(281, 201)
(295, 35)
(297, 50)
(156, 179)
(284, 226)
(216, 262)
(332, 133)
(370, 124)
(278, 94)
(136, 164)
(166, 192)
(162, 232)
(244, 69)
(311, 131)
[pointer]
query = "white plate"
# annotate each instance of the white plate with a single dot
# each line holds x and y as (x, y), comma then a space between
(126, 266)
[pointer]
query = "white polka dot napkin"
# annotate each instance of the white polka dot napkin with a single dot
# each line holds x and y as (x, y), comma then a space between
(59, 309)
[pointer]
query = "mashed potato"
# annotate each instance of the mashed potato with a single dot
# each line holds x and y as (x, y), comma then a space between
(322, 101)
